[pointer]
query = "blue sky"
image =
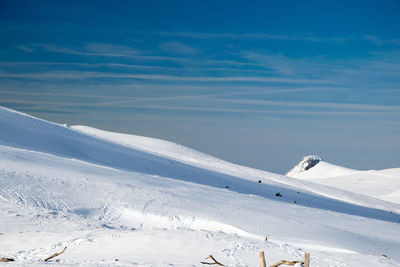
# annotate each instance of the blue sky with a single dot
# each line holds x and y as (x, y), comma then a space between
(259, 83)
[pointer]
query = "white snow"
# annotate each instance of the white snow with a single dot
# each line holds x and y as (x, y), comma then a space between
(306, 169)
(149, 202)
(381, 184)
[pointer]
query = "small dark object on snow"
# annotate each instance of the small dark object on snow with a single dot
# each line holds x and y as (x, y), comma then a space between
(259, 181)
(278, 194)
(383, 255)
(116, 259)
(226, 186)
(295, 202)
(6, 259)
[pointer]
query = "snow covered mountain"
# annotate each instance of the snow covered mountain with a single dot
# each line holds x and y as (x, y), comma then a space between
(314, 167)
(382, 184)
(149, 202)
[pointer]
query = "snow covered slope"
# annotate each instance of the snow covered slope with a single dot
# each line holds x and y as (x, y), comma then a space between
(382, 184)
(149, 202)
(314, 167)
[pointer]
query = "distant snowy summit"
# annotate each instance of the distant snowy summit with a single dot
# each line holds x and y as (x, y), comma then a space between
(314, 167)
(381, 184)
(305, 164)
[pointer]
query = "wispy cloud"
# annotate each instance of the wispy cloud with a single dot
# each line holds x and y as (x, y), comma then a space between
(205, 65)
(26, 49)
(95, 49)
(380, 41)
(173, 52)
(91, 74)
(317, 67)
(178, 48)
(220, 110)
(335, 113)
(189, 103)
(277, 62)
(111, 49)
(265, 36)
(378, 70)
(285, 37)
(106, 50)
(213, 101)
(319, 105)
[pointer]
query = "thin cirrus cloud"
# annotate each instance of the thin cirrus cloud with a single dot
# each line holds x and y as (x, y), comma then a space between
(380, 41)
(277, 62)
(325, 105)
(110, 49)
(286, 37)
(203, 66)
(106, 50)
(380, 69)
(287, 66)
(272, 113)
(224, 101)
(265, 36)
(92, 49)
(178, 48)
(92, 74)
(176, 52)
(26, 49)
(258, 106)
(271, 109)
(237, 110)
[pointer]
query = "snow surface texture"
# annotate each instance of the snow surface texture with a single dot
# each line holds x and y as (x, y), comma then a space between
(117, 199)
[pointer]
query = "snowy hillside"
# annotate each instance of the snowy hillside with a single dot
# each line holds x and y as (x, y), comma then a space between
(382, 184)
(314, 167)
(189, 156)
(128, 200)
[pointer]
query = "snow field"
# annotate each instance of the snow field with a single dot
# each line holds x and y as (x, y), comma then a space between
(149, 202)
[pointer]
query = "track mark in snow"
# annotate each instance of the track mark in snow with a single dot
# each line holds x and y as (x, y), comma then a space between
(146, 205)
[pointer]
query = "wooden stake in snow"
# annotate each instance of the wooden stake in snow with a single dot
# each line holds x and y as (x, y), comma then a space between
(291, 263)
(307, 260)
(262, 259)
(55, 255)
(212, 263)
